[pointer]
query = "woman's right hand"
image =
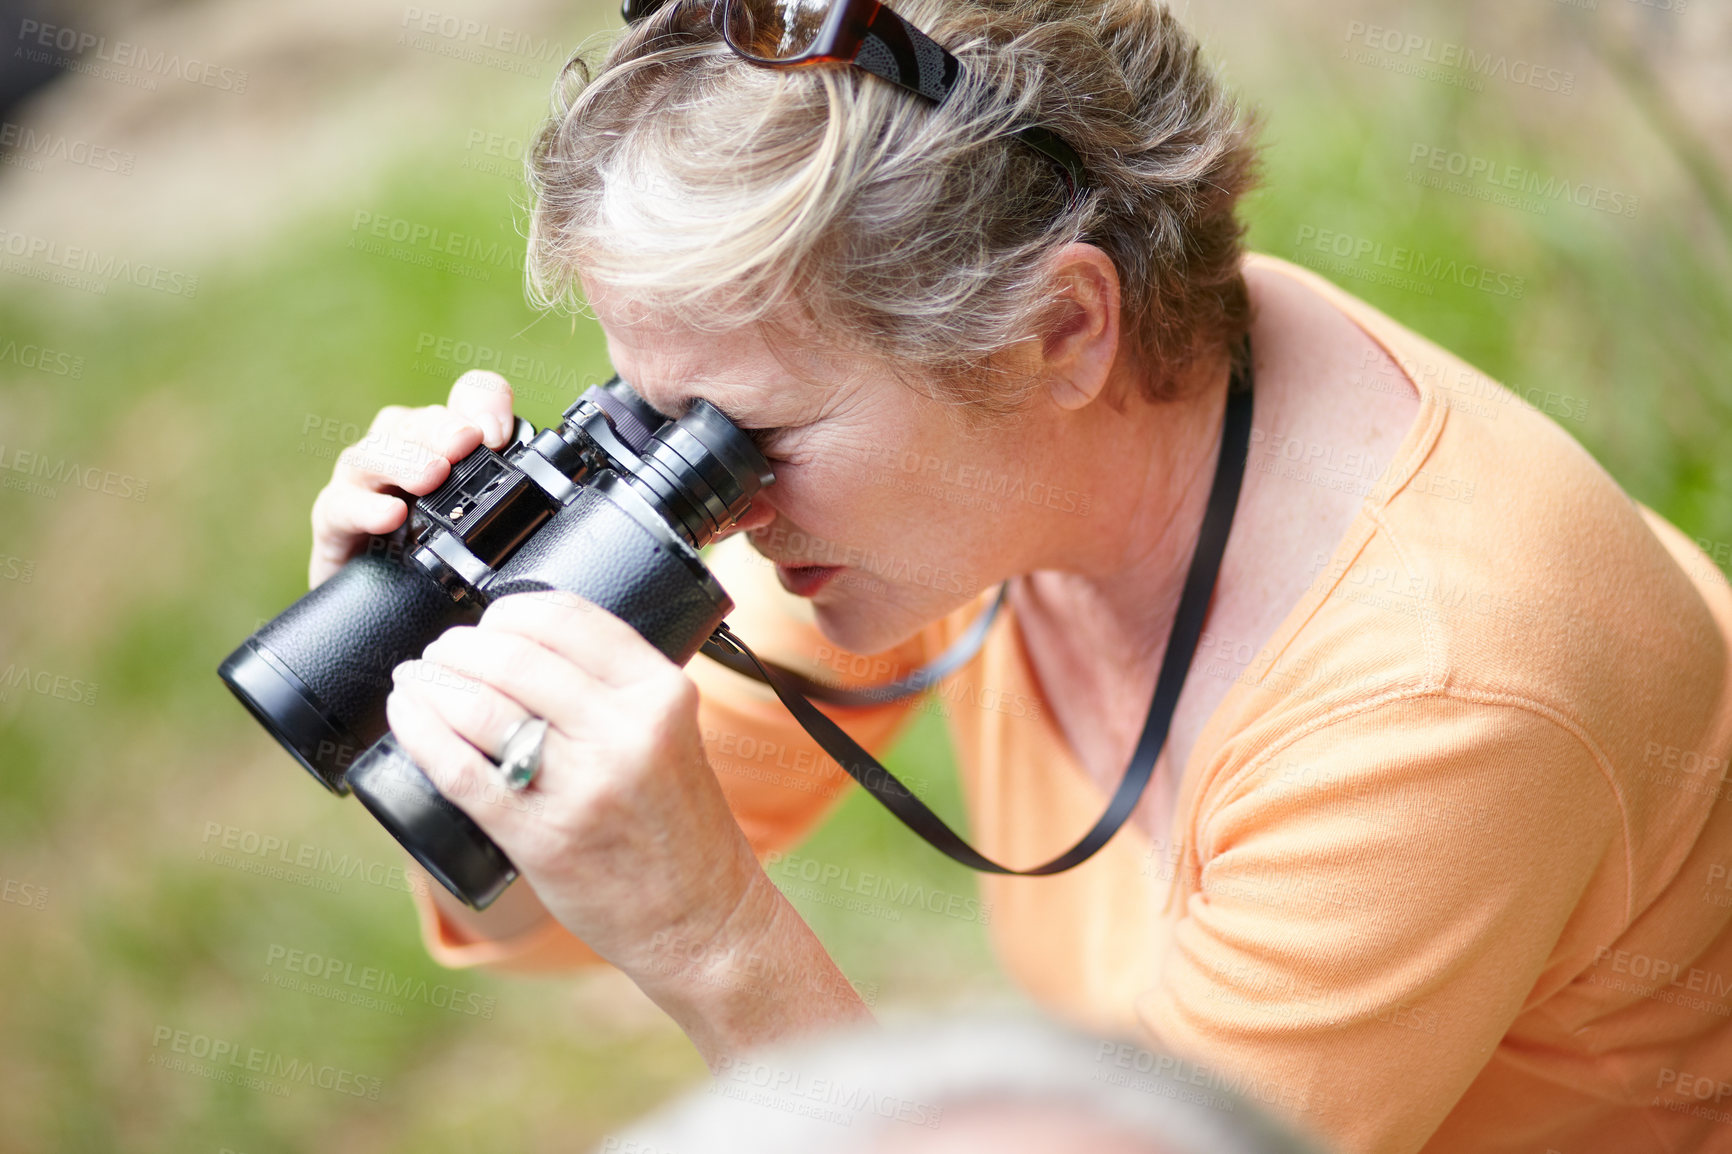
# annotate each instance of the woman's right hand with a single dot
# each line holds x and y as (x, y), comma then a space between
(411, 450)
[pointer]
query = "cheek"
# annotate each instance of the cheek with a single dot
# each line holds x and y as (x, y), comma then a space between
(825, 486)
(907, 493)
(864, 507)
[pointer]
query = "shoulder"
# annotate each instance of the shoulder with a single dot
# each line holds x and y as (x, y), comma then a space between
(1494, 549)
(1424, 783)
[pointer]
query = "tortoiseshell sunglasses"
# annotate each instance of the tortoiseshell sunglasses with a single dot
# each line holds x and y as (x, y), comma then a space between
(866, 34)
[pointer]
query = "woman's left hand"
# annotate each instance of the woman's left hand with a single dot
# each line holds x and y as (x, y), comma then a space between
(624, 833)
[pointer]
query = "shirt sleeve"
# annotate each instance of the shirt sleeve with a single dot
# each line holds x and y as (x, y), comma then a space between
(778, 782)
(1367, 908)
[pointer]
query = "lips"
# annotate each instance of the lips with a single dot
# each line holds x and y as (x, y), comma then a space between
(805, 580)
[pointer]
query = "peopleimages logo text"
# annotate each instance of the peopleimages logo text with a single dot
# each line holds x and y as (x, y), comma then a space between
(1410, 262)
(1480, 169)
(1448, 54)
(44, 360)
(210, 1055)
(77, 259)
(81, 45)
(36, 145)
(63, 471)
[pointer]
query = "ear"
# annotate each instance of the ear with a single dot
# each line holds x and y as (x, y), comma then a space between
(1081, 342)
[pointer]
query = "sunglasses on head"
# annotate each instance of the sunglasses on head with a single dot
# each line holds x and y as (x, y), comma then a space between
(862, 33)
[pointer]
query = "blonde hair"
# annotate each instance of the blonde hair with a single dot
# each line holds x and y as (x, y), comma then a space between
(723, 192)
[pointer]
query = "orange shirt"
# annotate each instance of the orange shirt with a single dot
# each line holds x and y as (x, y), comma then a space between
(1450, 866)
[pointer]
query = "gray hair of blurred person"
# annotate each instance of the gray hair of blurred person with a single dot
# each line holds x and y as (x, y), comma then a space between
(1040, 1088)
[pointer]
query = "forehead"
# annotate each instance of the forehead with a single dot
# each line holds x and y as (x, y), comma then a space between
(669, 363)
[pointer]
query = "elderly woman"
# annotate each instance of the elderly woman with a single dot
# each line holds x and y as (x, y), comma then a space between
(1434, 855)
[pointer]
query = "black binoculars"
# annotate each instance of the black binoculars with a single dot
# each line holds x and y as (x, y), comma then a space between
(613, 505)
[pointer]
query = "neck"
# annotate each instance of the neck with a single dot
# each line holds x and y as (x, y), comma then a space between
(1120, 571)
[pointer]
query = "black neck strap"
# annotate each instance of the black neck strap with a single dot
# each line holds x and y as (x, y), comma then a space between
(960, 652)
(793, 689)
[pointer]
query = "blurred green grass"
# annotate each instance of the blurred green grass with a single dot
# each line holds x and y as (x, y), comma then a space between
(223, 403)
(231, 406)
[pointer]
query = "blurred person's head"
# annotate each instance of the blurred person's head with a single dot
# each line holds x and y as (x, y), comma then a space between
(821, 251)
(1009, 1085)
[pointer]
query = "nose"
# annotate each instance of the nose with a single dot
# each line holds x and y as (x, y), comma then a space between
(757, 515)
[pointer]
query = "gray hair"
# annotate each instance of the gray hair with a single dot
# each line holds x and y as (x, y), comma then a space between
(919, 235)
(874, 1089)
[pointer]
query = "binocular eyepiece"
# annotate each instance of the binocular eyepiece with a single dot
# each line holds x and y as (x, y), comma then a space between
(612, 505)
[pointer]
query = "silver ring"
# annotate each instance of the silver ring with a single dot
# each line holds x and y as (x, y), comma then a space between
(520, 755)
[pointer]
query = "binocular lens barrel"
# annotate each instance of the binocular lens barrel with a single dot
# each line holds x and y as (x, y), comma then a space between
(317, 676)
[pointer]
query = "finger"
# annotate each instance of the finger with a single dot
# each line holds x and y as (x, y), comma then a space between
(540, 681)
(343, 518)
(456, 768)
(479, 713)
(353, 512)
(582, 632)
(390, 461)
(386, 420)
(484, 399)
(441, 430)
(415, 454)
(438, 432)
